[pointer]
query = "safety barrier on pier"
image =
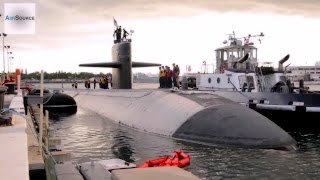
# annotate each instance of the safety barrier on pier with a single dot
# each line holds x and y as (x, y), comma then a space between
(51, 148)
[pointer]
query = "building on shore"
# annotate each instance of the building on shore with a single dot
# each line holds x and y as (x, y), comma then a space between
(307, 73)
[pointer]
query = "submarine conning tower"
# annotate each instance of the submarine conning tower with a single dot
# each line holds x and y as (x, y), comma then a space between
(122, 65)
(122, 76)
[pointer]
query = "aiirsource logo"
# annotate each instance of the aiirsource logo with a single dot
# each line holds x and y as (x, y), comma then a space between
(19, 18)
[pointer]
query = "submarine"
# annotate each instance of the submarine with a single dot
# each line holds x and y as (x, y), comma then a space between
(191, 116)
(54, 102)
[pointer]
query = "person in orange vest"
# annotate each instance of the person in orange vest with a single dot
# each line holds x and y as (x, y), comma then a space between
(164, 80)
(160, 77)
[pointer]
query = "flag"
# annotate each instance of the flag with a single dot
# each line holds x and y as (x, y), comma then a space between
(115, 23)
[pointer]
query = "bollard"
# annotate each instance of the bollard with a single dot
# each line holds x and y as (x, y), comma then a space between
(301, 86)
(3, 90)
(184, 83)
(25, 105)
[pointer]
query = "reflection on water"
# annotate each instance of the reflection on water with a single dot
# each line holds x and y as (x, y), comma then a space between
(92, 137)
(121, 147)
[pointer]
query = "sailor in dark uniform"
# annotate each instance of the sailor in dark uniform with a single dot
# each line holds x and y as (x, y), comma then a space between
(125, 33)
(117, 32)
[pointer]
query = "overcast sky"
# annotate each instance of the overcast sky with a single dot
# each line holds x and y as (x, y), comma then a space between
(71, 32)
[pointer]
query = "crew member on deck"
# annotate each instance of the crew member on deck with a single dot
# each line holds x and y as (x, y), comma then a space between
(177, 76)
(165, 80)
(174, 75)
(161, 76)
(169, 77)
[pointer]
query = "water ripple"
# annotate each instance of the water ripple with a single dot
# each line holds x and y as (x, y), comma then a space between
(91, 137)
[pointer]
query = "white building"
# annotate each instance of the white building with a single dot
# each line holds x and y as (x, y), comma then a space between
(304, 72)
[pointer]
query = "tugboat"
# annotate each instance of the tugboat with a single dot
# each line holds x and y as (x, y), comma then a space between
(265, 89)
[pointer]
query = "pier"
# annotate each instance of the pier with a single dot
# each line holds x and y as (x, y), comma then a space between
(21, 155)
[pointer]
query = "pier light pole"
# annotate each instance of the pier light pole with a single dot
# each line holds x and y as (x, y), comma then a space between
(3, 36)
(10, 67)
(6, 47)
(8, 56)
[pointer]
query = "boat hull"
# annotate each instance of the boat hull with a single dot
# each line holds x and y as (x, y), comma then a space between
(281, 108)
(293, 121)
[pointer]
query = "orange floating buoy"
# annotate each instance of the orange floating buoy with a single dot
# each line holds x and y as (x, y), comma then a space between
(179, 159)
(158, 161)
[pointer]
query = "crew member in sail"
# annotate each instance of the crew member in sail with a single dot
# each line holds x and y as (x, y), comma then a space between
(117, 33)
(125, 33)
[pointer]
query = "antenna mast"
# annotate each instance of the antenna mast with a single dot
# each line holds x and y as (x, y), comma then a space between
(233, 40)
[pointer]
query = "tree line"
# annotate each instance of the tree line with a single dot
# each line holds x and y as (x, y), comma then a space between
(61, 75)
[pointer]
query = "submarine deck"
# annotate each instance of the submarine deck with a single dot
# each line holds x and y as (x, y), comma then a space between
(205, 99)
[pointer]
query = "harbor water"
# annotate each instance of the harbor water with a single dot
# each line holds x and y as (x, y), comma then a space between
(89, 136)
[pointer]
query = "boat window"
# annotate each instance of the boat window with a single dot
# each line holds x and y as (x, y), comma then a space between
(225, 55)
(247, 51)
(234, 53)
(247, 65)
(242, 80)
(250, 81)
(218, 55)
(254, 53)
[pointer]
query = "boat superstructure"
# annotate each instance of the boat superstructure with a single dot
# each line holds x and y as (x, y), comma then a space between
(237, 69)
(239, 77)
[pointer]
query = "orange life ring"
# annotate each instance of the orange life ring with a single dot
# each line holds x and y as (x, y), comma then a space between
(179, 159)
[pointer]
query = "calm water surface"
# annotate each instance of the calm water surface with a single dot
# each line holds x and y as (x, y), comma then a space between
(89, 136)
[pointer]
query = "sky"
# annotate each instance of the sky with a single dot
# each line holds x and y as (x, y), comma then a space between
(185, 32)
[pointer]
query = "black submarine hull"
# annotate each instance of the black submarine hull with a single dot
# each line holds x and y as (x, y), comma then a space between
(54, 102)
(59, 103)
(202, 118)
